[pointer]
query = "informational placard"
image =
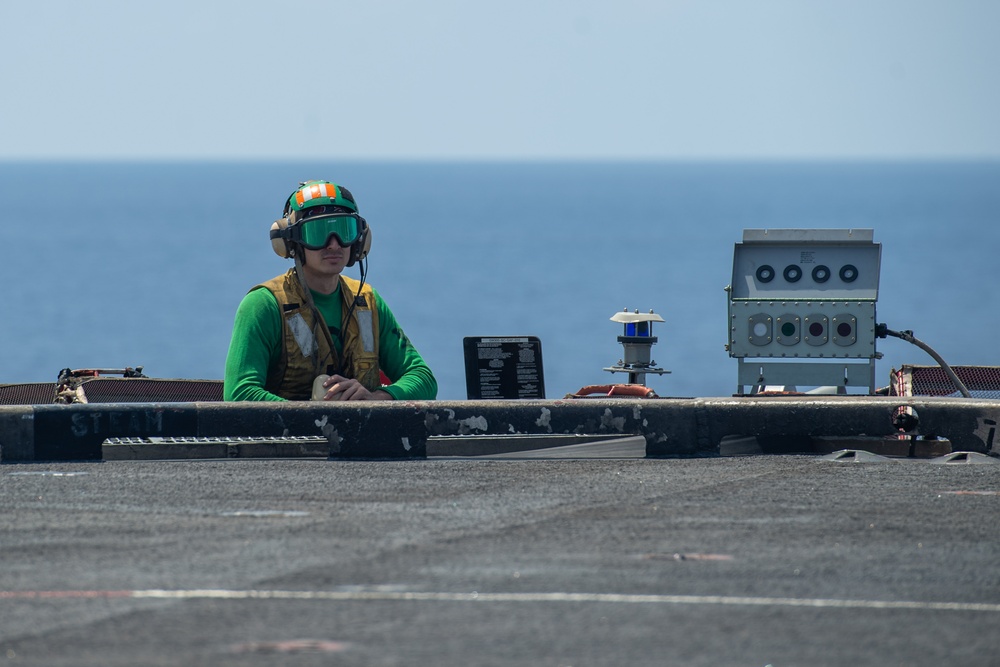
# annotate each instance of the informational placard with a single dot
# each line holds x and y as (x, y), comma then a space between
(498, 367)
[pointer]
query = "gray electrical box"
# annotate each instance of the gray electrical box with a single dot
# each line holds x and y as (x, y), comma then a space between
(802, 307)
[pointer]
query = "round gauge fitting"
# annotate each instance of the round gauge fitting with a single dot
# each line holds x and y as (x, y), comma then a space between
(765, 273)
(792, 273)
(848, 273)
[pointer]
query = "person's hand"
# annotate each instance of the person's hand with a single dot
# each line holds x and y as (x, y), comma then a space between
(339, 388)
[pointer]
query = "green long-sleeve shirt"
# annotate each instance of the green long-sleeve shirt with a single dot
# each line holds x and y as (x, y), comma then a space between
(257, 344)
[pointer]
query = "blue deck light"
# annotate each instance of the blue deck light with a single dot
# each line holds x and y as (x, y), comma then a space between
(637, 339)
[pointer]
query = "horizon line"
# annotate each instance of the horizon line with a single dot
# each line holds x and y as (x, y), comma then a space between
(222, 159)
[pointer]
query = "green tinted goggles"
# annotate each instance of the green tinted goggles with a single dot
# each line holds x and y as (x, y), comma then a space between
(315, 233)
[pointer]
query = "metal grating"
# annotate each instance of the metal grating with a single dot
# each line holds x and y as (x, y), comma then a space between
(149, 390)
(27, 394)
(194, 440)
(981, 381)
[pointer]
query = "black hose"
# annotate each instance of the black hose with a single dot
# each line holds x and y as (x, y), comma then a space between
(882, 331)
(363, 267)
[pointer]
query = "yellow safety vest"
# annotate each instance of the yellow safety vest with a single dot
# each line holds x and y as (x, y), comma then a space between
(305, 354)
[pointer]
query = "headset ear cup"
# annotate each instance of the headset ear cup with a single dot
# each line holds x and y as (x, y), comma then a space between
(279, 242)
(361, 247)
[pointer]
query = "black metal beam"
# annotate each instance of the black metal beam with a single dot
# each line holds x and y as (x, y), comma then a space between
(672, 427)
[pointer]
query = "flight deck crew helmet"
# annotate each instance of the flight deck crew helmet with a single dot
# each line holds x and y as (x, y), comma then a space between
(317, 213)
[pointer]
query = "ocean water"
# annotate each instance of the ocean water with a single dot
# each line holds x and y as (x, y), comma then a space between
(114, 264)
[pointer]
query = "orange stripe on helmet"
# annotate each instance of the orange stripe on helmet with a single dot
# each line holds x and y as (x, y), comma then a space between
(314, 191)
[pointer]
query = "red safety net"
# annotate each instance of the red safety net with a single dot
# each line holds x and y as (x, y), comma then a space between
(981, 381)
(117, 390)
(150, 390)
(27, 394)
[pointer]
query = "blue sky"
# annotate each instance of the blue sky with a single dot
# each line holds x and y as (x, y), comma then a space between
(519, 79)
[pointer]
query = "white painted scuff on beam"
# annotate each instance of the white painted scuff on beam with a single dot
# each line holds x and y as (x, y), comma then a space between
(473, 424)
(545, 420)
(609, 421)
(330, 433)
(406, 444)
(451, 425)
(429, 420)
(467, 426)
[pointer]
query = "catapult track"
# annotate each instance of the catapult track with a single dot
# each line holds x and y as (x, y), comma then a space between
(671, 427)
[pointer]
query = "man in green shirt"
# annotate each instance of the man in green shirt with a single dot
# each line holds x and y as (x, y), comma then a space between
(313, 332)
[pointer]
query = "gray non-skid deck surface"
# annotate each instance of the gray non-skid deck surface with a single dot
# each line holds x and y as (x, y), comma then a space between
(736, 561)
